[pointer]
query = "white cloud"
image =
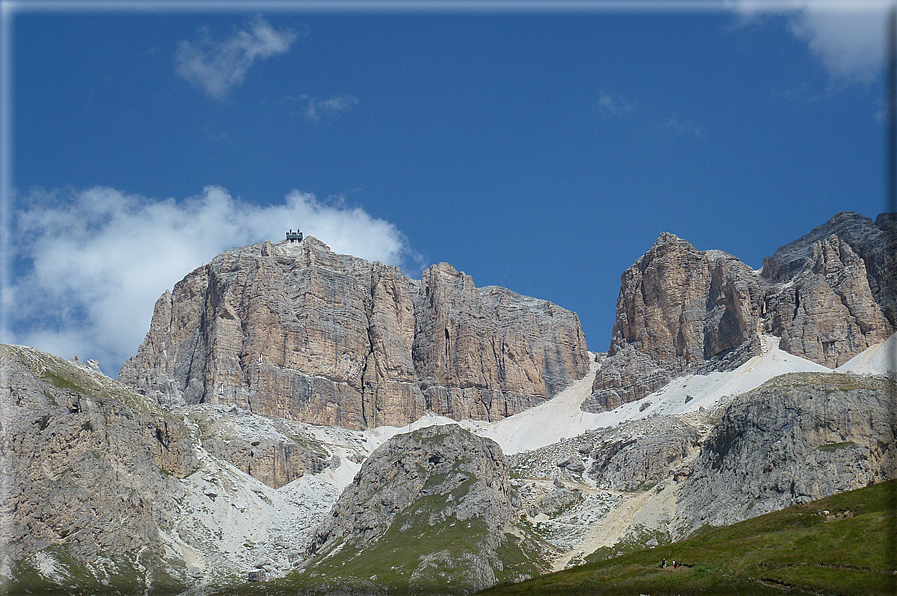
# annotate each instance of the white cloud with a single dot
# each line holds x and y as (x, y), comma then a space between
(618, 106)
(849, 43)
(848, 38)
(93, 263)
(217, 66)
(689, 127)
(318, 108)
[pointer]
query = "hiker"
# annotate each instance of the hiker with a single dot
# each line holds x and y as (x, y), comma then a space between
(663, 564)
(674, 564)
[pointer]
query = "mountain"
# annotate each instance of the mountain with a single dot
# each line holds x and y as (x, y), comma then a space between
(330, 425)
(828, 295)
(429, 511)
(90, 472)
(295, 331)
(837, 545)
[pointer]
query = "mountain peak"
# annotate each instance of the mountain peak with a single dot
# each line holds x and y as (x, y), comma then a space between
(295, 330)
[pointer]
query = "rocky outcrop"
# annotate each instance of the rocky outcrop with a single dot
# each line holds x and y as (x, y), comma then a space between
(489, 353)
(260, 447)
(828, 296)
(90, 471)
(797, 438)
(827, 310)
(872, 241)
(678, 307)
(430, 510)
(293, 330)
(642, 454)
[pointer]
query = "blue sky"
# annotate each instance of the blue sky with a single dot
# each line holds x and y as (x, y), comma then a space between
(543, 151)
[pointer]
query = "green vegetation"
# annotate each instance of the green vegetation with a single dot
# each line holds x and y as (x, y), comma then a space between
(427, 549)
(836, 446)
(102, 578)
(64, 375)
(634, 540)
(837, 545)
(830, 382)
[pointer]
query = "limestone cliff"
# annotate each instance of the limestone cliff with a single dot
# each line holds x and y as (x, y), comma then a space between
(293, 330)
(268, 452)
(829, 296)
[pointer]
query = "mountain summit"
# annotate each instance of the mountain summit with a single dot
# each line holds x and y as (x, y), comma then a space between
(326, 423)
(296, 331)
(829, 296)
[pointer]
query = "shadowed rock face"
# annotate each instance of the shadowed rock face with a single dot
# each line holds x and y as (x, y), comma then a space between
(91, 466)
(873, 242)
(293, 330)
(828, 313)
(678, 307)
(829, 296)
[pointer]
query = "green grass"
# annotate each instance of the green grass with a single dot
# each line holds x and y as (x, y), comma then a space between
(425, 550)
(390, 560)
(66, 376)
(836, 446)
(634, 540)
(82, 579)
(793, 551)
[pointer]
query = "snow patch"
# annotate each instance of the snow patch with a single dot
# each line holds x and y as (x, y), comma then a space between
(230, 522)
(49, 567)
(879, 359)
(561, 417)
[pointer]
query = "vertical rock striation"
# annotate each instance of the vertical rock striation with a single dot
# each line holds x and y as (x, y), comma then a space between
(829, 295)
(678, 307)
(293, 330)
(489, 353)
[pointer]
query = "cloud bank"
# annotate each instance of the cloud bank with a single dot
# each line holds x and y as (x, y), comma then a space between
(89, 265)
(217, 66)
(849, 43)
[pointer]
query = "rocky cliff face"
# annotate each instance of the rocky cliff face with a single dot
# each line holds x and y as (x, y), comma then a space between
(829, 296)
(275, 456)
(827, 305)
(428, 512)
(293, 330)
(105, 492)
(797, 438)
(89, 472)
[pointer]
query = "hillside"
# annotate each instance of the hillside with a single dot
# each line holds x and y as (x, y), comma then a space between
(843, 544)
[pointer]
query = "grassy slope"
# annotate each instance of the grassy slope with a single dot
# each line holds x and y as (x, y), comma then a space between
(795, 550)
(388, 563)
(65, 375)
(120, 578)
